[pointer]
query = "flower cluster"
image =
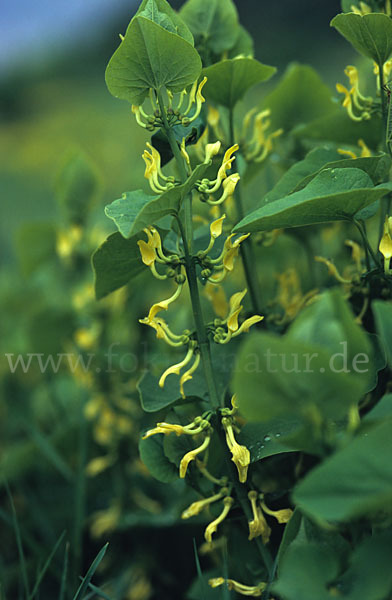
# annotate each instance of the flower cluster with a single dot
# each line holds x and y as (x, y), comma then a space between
(259, 145)
(357, 105)
(177, 110)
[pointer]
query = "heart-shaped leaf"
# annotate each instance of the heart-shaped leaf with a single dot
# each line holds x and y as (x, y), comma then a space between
(370, 34)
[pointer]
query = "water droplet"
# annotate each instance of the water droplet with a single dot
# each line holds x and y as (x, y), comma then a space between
(277, 434)
(262, 446)
(267, 438)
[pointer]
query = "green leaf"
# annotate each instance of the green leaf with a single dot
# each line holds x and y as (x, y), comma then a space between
(315, 160)
(153, 455)
(381, 411)
(230, 79)
(265, 439)
(214, 23)
(352, 482)
(330, 324)
(305, 572)
(136, 210)
(299, 97)
(150, 57)
(295, 378)
(76, 187)
(80, 594)
(154, 398)
(369, 575)
(244, 44)
(115, 263)
(383, 316)
(333, 195)
(377, 167)
(162, 14)
(370, 35)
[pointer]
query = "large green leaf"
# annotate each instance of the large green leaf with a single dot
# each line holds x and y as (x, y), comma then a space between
(230, 79)
(306, 572)
(115, 263)
(369, 575)
(279, 378)
(153, 455)
(383, 316)
(299, 97)
(354, 481)
(214, 23)
(162, 13)
(154, 398)
(330, 324)
(315, 160)
(136, 210)
(150, 57)
(370, 34)
(333, 195)
(265, 439)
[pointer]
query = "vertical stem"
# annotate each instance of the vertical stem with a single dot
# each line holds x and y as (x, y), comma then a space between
(190, 266)
(385, 202)
(367, 245)
(246, 249)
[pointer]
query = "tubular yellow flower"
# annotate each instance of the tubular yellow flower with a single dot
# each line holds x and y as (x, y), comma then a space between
(138, 115)
(189, 456)
(176, 369)
(240, 454)
(356, 254)
(153, 171)
(196, 507)
(188, 374)
(213, 526)
(235, 308)
(282, 516)
(245, 590)
(229, 185)
(195, 95)
(164, 304)
(365, 150)
(332, 269)
(212, 150)
(227, 161)
(164, 332)
(230, 250)
(349, 96)
(268, 145)
(385, 246)
(148, 253)
(165, 428)
(353, 77)
(258, 526)
(216, 227)
(216, 294)
(247, 324)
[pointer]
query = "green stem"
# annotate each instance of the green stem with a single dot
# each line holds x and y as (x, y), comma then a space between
(367, 245)
(181, 168)
(246, 250)
(190, 265)
(385, 202)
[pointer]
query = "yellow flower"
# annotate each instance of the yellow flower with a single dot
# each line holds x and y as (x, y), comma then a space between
(332, 269)
(245, 590)
(196, 507)
(227, 162)
(385, 246)
(188, 374)
(148, 253)
(216, 227)
(216, 294)
(282, 516)
(235, 309)
(229, 185)
(241, 454)
(212, 150)
(189, 456)
(195, 95)
(99, 464)
(354, 96)
(166, 429)
(213, 526)
(105, 521)
(153, 171)
(258, 526)
(176, 368)
(162, 305)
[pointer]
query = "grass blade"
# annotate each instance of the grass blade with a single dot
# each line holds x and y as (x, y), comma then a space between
(19, 544)
(45, 567)
(64, 573)
(98, 592)
(87, 578)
